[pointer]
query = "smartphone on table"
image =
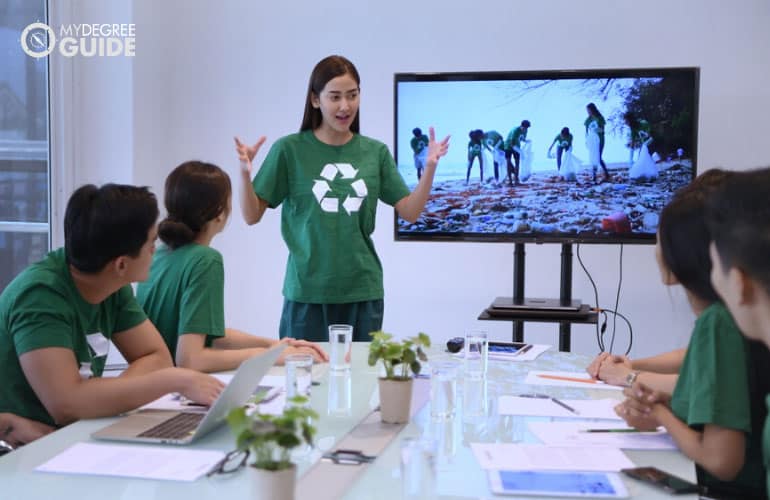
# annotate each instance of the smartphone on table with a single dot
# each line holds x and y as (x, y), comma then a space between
(661, 479)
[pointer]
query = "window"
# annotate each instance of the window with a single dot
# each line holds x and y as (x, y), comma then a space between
(24, 166)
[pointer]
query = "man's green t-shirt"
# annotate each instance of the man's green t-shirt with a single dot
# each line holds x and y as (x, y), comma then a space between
(42, 308)
(713, 388)
(515, 136)
(185, 293)
(329, 196)
(419, 144)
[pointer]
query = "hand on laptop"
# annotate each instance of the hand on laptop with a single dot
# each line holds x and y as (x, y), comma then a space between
(303, 347)
(200, 387)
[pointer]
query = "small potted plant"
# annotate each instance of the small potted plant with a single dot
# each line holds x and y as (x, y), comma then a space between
(270, 439)
(401, 360)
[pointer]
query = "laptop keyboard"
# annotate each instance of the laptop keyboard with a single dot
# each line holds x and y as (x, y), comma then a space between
(177, 427)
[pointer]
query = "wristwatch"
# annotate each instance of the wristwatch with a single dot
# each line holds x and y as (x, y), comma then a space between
(631, 378)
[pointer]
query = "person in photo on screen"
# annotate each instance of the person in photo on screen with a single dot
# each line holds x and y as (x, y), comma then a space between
(17, 431)
(563, 142)
(493, 142)
(329, 178)
(594, 125)
(419, 144)
(475, 150)
(638, 134)
(739, 222)
(715, 412)
(58, 316)
(513, 142)
(184, 294)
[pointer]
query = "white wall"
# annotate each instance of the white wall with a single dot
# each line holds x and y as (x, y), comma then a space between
(205, 71)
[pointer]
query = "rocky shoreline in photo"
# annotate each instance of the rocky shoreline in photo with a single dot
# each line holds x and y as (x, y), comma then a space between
(545, 204)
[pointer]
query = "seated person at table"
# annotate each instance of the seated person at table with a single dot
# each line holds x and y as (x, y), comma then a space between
(739, 222)
(715, 412)
(58, 316)
(184, 295)
(658, 372)
(17, 431)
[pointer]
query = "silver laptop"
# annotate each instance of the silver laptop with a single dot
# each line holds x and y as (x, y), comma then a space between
(538, 304)
(183, 427)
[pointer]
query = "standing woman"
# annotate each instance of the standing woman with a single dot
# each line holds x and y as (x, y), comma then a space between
(329, 178)
(595, 139)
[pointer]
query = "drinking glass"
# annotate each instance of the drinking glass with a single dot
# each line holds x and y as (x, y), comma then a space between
(443, 389)
(340, 341)
(476, 356)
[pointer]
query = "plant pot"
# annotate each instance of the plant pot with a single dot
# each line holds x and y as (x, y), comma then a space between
(274, 484)
(395, 400)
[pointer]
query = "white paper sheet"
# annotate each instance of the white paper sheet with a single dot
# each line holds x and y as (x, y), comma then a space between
(579, 379)
(145, 462)
(511, 456)
(585, 408)
(574, 434)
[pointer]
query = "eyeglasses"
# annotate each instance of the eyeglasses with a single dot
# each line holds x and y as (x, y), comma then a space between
(232, 462)
(349, 457)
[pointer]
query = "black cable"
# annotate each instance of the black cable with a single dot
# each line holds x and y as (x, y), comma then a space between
(599, 339)
(617, 298)
(630, 328)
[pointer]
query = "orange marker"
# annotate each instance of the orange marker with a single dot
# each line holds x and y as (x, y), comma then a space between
(569, 379)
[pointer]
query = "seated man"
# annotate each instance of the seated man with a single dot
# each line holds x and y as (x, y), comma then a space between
(58, 316)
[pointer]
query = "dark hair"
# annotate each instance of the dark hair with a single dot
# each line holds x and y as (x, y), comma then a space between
(102, 224)
(684, 235)
(525, 123)
(416, 131)
(327, 69)
(739, 221)
(565, 131)
(196, 192)
(594, 110)
(631, 119)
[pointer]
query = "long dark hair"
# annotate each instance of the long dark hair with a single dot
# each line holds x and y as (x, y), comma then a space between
(196, 192)
(684, 234)
(327, 69)
(591, 107)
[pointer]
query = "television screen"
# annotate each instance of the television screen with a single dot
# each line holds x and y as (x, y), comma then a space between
(547, 156)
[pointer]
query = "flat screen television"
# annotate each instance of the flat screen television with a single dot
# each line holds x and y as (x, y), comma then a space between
(549, 185)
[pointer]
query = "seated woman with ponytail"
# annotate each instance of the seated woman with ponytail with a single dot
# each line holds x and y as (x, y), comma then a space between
(184, 295)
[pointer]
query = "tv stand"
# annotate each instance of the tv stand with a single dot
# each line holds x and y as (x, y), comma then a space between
(564, 318)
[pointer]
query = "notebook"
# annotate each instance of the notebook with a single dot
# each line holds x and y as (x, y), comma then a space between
(536, 304)
(183, 427)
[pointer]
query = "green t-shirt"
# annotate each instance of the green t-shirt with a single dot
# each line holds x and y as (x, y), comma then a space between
(185, 293)
(419, 144)
(493, 140)
(766, 445)
(474, 148)
(515, 137)
(563, 142)
(638, 134)
(713, 388)
(329, 196)
(42, 308)
(600, 123)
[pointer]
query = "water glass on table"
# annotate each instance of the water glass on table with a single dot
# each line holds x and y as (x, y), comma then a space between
(299, 373)
(418, 468)
(476, 354)
(340, 341)
(443, 389)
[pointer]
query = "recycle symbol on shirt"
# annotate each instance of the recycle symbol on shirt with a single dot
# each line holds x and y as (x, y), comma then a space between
(328, 199)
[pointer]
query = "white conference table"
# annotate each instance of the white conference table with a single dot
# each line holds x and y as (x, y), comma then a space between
(459, 475)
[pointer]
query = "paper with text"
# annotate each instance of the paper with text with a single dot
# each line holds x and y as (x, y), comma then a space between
(511, 456)
(574, 434)
(542, 407)
(144, 462)
(567, 379)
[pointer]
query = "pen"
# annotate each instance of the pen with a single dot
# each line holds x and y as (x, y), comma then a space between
(616, 430)
(564, 405)
(524, 349)
(568, 379)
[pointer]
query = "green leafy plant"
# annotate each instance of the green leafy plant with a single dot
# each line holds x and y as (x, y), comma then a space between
(270, 438)
(398, 357)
